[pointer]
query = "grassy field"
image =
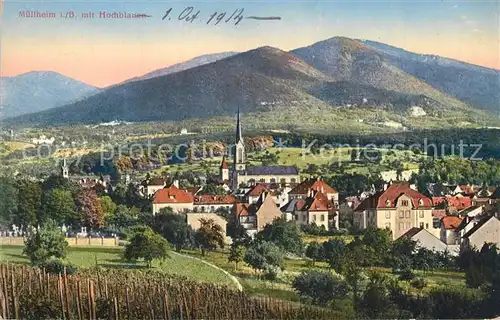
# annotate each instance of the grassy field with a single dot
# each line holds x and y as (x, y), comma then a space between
(112, 258)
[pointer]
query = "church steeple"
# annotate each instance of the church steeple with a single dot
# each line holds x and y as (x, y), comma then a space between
(239, 137)
(65, 169)
(239, 147)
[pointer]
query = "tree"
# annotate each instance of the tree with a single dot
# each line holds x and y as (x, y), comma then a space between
(29, 202)
(59, 207)
(8, 204)
(334, 251)
(108, 206)
(90, 209)
(236, 254)
(174, 228)
(238, 233)
(45, 243)
(377, 243)
(315, 251)
(123, 217)
(146, 244)
(321, 287)
(285, 234)
(209, 236)
(262, 255)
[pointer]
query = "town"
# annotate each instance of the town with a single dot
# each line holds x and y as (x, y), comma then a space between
(271, 222)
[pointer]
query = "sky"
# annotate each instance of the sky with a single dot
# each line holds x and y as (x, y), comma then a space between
(103, 52)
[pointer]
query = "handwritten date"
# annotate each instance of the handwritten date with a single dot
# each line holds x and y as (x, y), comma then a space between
(190, 14)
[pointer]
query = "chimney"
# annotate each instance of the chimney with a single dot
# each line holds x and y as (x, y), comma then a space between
(176, 183)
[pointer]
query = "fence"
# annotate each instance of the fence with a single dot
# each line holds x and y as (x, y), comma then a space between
(76, 241)
(28, 293)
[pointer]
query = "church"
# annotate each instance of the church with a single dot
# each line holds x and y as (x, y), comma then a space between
(242, 175)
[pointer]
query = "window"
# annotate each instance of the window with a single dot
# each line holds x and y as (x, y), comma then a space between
(427, 226)
(262, 180)
(401, 214)
(407, 213)
(273, 180)
(388, 203)
(314, 217)
(293, 180)
(408, 225)
(388, 225)
(401, 226)
(421, 225)
(404, 203)
(421, 214)
(436, 223)
(388, 215)
(322, 217)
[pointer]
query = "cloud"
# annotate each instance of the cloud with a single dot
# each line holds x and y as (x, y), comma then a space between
(477, 30)
(455, 6)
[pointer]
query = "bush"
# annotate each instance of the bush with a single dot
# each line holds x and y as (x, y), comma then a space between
(418, 283)
(321, 287)
(56, 266)
(406, 275)
(272, 272)
(48, 242)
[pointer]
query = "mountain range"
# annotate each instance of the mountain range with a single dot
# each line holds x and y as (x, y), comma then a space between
(39, 90)
(327, 76)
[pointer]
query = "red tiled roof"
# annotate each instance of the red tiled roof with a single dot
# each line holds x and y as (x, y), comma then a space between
(451, 222)
(319, 202)
(217, 199)
(256, 191)
(172, 195)
(458, 203)
(439, 213)
(396, 190)
(389, 197)
(312, 184)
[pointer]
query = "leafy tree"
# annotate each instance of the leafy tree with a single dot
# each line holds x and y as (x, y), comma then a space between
(146, 244)
(8, 204)
(45, 243)
(174, 228)
(236, 254)
(261, 255)
(29, 202)
(59, 206)
(90, 209)
(334, 251)
(209, 236)
(238, 233)
(377, 243)
(375, 302)
(315, 251)
(108, 206)
(285, 234)
(123, 217)
(321, 287)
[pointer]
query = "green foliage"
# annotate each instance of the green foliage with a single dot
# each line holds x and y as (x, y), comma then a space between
(8, 205)
(29, 202)
(285, 234)
(320, 287)
(146, 244)
(59, 206)
(174, 228)
(209, 236)
(108, 207)
(58, 266)
(315, 252)
(334, 251)
(48, 242)
(263, 254)
(377, 243)
(236, 254)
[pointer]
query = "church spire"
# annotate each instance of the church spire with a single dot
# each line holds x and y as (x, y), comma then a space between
(239, 137)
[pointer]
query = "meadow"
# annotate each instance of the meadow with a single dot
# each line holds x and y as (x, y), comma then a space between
(112, 258)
